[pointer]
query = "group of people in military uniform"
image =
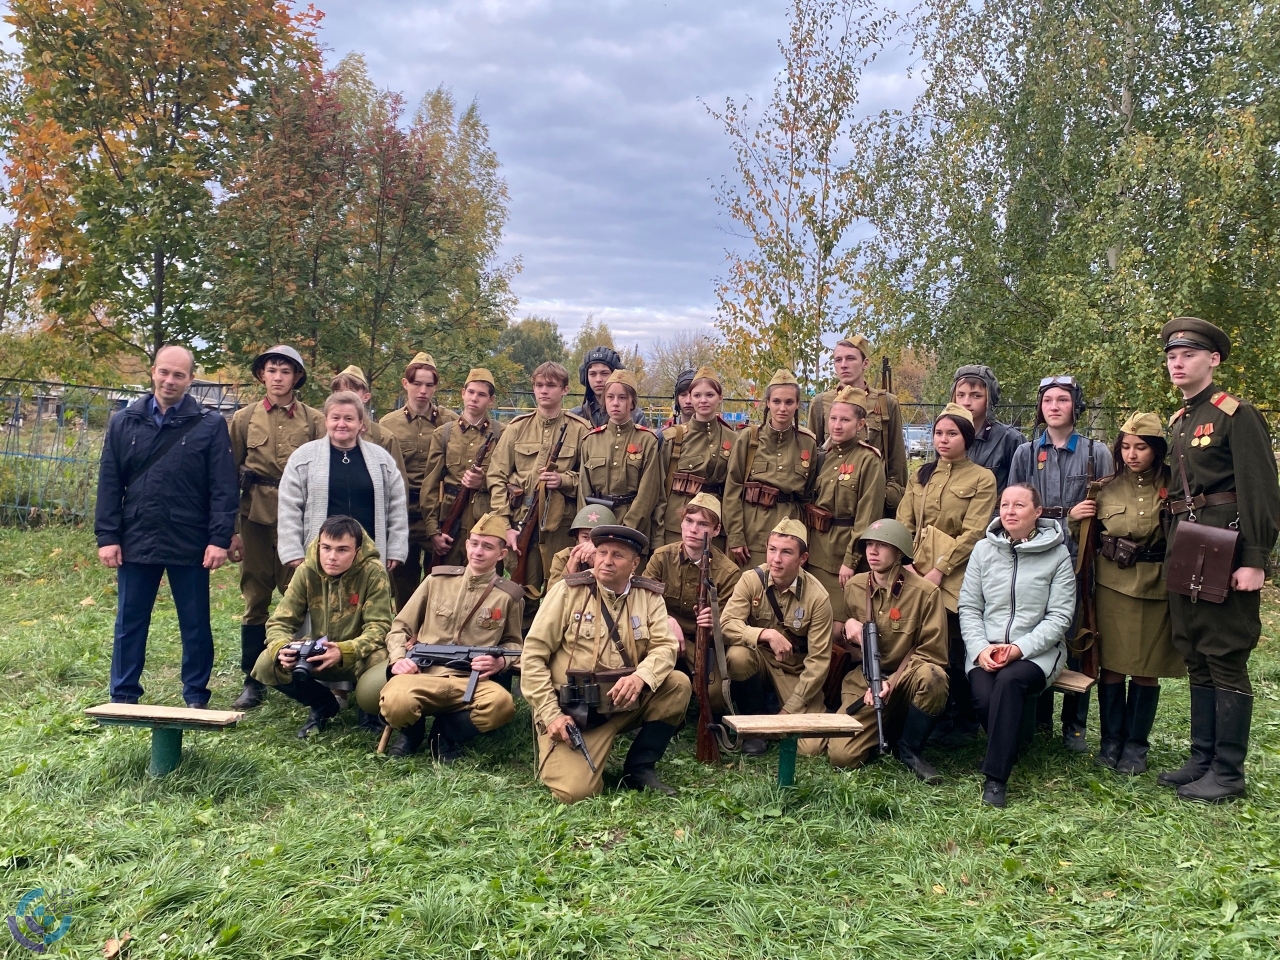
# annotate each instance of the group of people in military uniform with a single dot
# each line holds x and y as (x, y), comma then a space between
(813, 532)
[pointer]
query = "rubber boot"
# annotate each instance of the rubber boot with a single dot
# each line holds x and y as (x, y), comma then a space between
(748, 696)
(1075, 722)
(1225, 779)
(450, 733)
(318, 697)
(910, 745)
(1203, 725)
(253, 640)
(1139, 715)
(409, 740)
(650, 744)
(1111, 723)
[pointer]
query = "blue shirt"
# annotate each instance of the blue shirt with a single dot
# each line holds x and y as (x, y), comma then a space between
(154, 409)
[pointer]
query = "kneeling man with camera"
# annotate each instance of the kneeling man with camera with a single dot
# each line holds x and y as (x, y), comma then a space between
(343, 585)
(598, 661)
(458, 631)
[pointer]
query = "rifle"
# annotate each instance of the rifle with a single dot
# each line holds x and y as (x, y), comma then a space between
(871, 667)
(886, 375)
(457, 658)
(1084, 645)
(534, 501)
(707, 749)
(453, 522)
(578, 743)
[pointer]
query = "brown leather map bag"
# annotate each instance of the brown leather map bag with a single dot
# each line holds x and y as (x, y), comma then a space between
(1202, 557)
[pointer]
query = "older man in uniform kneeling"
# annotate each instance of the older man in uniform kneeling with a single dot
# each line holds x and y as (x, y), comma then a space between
(600, 656)
(778, 622)
(471, 606)
(911, 622)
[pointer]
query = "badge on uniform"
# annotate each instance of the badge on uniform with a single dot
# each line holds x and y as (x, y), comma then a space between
(633, 451)
(635, 623)
(846, 470)
(577, 616)
(1203, 435)
(1040, 460)
(726, 448)
(804, 458)
(588, 617)
(798, 615)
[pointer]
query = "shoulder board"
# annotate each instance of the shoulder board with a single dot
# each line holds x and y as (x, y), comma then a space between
(876, 450)
(1177, 416)
(570, 415)
(510, 588)
(448, 571)
(599, 429)
(805, 431)
(645, 427)
(581, 579)
(731, 426)
(648, 583)
(523, 416)
(1226, 403)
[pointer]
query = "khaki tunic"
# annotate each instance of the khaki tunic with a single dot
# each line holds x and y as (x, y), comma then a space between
(680, 579)
(413, 435)
(452, 451)
(263, 437)
(619, 460)
(956, 503)
(702, 449)
(380, 435)
(519, 457)
(784, 459)
(806, 611)
(913, 654)
(850, 484)
(882, 429)
(1134, 629)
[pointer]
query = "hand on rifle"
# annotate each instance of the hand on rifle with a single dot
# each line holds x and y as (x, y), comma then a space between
(402, 666)
(513, 537)
(1084, 509)
(441, 543)
(886, 685)
(473, 479)
(853, 631)
(706, 619)
(488, 666)
(627, 691)
(779, 644)
(550, 478)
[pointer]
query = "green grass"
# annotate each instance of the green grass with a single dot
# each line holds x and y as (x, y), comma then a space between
(261, 846)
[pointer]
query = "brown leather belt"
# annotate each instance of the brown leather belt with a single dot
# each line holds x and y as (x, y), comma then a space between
(1179, 507)
(1054, 513)
(842, 522)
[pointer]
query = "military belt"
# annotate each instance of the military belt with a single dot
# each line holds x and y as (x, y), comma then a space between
(610, 502)
(1183, 505)
(1054, 513)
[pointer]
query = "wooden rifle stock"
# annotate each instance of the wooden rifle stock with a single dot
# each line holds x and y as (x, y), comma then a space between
(1085, 642)
(528, 535)
(886, 375)
(707, 750)
(452, 525)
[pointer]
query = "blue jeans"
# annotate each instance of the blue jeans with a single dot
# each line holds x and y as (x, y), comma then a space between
(137, 585)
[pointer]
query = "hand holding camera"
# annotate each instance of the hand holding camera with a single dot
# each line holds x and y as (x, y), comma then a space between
(308, 657)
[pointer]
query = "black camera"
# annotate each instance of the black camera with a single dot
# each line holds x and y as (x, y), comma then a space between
(307, 649)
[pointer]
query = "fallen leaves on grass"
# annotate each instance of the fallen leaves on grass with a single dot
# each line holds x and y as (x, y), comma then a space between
(115, 946)
(88, 602)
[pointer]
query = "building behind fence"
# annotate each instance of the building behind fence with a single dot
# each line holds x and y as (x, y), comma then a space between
(53, 432)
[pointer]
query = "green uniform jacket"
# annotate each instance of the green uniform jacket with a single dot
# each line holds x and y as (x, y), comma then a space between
(621, 460)
(850, 484)
(1129, 507)
(521, 454)
(882, 429)
(413, 436)
(353, 610)
(786, 459)
(452, 451)
(680, 579)
(262, 438)
(697, 448)
(910, 619)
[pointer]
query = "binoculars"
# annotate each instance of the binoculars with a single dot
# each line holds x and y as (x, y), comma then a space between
(580, 693)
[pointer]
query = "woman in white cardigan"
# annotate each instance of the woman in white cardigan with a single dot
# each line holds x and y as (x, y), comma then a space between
(342, 474)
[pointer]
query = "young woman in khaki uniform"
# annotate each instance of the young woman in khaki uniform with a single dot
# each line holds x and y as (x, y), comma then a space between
(1134, 630)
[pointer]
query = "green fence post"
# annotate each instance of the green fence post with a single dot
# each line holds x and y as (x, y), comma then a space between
(787, 762)
(166, 750)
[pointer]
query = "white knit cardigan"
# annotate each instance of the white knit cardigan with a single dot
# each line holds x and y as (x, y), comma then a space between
(304, 501)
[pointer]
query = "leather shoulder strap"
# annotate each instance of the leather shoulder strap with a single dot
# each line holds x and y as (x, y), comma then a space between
(648, 583)
(583, 578)
(510, 588)
(752, 444)
(677, 441)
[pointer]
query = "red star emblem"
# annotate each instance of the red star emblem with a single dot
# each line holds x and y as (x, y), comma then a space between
(593, 516)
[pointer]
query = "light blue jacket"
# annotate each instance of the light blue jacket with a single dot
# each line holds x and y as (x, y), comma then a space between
(1024, 594)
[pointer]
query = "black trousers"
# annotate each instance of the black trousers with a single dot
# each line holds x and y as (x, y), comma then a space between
(1216, 639)
(998, 700)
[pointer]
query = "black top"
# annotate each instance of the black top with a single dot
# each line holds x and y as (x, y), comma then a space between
(350, 487)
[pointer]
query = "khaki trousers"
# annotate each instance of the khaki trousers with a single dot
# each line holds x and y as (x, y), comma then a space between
(261, 572)
(565, 771)
(923, 686)
(410, 696)
(746, 662)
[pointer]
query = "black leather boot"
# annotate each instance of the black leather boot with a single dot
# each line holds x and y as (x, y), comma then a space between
(748, 696)
(910, 746)
(253, 640)
(409, 740)
(650, 744)
(1075, 722)
(318, 697)
(1203, 723)
(1139, 715)
(1111, 723)
(450, 733)
(1225, 779)
(994, 793)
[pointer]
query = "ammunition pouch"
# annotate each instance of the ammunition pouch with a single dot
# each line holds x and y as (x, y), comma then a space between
(760, 494)
(687, 484)
(1125, 552)
(818, 519)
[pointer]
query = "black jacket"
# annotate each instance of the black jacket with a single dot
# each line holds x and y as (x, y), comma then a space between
(186, 501)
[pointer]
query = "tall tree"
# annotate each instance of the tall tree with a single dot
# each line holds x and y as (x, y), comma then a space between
(797, 198)
(532, 341)
(131, 109)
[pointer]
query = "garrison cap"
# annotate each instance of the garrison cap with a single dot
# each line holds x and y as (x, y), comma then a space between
(859, 343)
(624, 377)
(617, 533)
(492, 525)
(592, 516)
(354, 373)
(783, 377)
(893, 533)
(280, 352)
(792, 528)
(706, 501)
(854, 396)
(706, 373)
(955, 410)
(1143, 425)
(482, 375)
(1197, 333)
(684, 382)
(424, 359)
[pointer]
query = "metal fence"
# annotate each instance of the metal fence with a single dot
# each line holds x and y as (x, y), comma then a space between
(53, 432)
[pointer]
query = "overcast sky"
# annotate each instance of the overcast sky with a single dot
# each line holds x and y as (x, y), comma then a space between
(595, 109)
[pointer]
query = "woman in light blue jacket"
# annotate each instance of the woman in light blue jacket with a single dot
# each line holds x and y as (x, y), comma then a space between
(1016, 605)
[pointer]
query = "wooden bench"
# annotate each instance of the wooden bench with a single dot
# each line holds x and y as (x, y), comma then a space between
(167, 724)
(787, 729)
(1069, 681)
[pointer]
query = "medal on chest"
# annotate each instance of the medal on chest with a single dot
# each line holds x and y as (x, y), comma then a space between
(804, 459)
(725, 449)
(633, 452)
(847, 470)
(1041, 458)
(1203, 435)
(798, 616)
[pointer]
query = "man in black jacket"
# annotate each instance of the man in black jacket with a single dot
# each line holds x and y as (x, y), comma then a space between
(167, 502)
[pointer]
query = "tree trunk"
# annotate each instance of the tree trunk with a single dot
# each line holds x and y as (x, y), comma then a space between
(157, 317)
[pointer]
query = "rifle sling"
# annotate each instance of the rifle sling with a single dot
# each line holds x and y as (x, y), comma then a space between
(483, 597)
(676, 443)
(801, 645)
(612, 626)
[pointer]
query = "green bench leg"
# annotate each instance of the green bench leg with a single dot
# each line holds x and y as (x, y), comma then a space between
(166, 750)
(787, 762)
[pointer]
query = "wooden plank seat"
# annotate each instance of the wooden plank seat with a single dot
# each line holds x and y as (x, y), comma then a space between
(167, 724)
(787, 729)
(1068, 681)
